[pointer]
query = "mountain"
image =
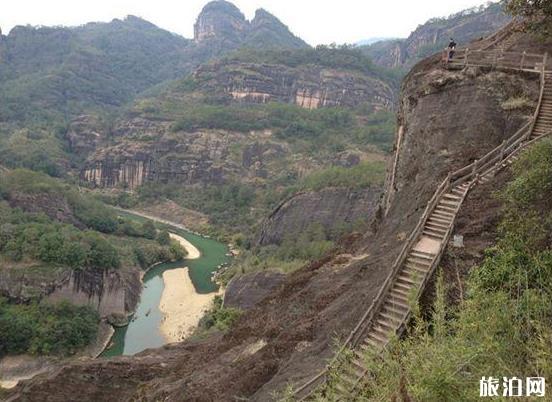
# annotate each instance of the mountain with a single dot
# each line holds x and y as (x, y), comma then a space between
(222, 23)
(370, 41)
(289, 337)
(50, 75)
(258, 121)
(434, 35)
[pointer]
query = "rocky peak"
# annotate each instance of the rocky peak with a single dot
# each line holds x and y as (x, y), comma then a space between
(263, 17)
(220, 19)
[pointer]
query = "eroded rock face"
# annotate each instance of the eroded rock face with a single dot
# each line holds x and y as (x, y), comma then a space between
(448, 119)
(85, 133)
(111, 293)
(222, 24)
(434, 35)
(245, 291)
(310, 88)
(189, 158)
(333, 209)
(220, 19)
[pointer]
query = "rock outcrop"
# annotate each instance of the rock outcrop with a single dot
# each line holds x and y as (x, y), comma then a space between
(332, 209)
(434, 35)
(310, 87)
(222, 24)
(220, 20)
(448, 119)
(113, 294)
(246, 291)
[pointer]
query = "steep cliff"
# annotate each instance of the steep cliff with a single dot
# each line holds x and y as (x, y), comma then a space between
(298, 323)
(222, 24)
(201, 130)
(332, 209)
(434, 35)
(310, 87)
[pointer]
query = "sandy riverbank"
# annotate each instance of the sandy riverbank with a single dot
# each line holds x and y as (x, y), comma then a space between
(193, 252)
(181, 305)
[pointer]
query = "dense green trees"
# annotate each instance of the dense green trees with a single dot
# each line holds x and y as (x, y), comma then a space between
(218, 317)
(45, 328)
(538, 14)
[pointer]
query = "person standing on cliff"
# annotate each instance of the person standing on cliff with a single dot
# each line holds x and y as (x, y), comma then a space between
(451, 49)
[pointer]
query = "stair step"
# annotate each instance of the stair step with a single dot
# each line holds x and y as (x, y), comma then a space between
(341, 390)
(391, 317)
(443, 214)
(382, 340)
(385, 324)
(369, 344)
(436, 227)
(422, 255)
(414, 274)
(439, 222)
(457, 191)
(412, 267)
(435, 235)
(445, 209)
(348, 379)
(420, 261)
(401, 291)
(452, 196)
(453, 204)
(381, 331)
(406, 280)
(357, 372)
(403, 286)
(400, 296)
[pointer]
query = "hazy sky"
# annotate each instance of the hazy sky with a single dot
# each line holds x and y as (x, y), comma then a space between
(316, 21)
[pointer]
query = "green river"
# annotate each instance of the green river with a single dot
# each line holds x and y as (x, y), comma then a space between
(143, 331)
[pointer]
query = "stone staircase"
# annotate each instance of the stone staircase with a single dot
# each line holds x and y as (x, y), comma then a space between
(390, 311)
(543, 123)
(395, 310)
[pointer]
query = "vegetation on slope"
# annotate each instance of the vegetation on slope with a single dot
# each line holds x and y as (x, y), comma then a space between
(89, 236)
(43, 329)
(538, 14)
(504, 325)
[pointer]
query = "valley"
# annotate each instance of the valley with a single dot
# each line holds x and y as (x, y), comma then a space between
(243, 216)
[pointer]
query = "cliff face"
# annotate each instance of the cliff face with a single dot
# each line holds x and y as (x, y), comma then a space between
(141, 146)
(114, 294)
(221, 23)
(310, 87)
(198, 157)
(220, 20)
(448, 119)
(331, 208)
(434, 35)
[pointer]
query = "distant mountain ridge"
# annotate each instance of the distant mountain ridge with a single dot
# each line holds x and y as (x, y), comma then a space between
(428, 38)
(102, 65)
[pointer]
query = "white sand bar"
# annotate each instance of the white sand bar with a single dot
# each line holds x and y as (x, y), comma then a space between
(193, 252)
(181, 305)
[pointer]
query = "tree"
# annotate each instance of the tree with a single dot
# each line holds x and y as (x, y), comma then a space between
(148, 229)
(164, 238)
(530, 8)
(102, 254)
(537, 12)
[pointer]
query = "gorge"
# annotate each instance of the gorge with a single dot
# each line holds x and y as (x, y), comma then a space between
(366, 218)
